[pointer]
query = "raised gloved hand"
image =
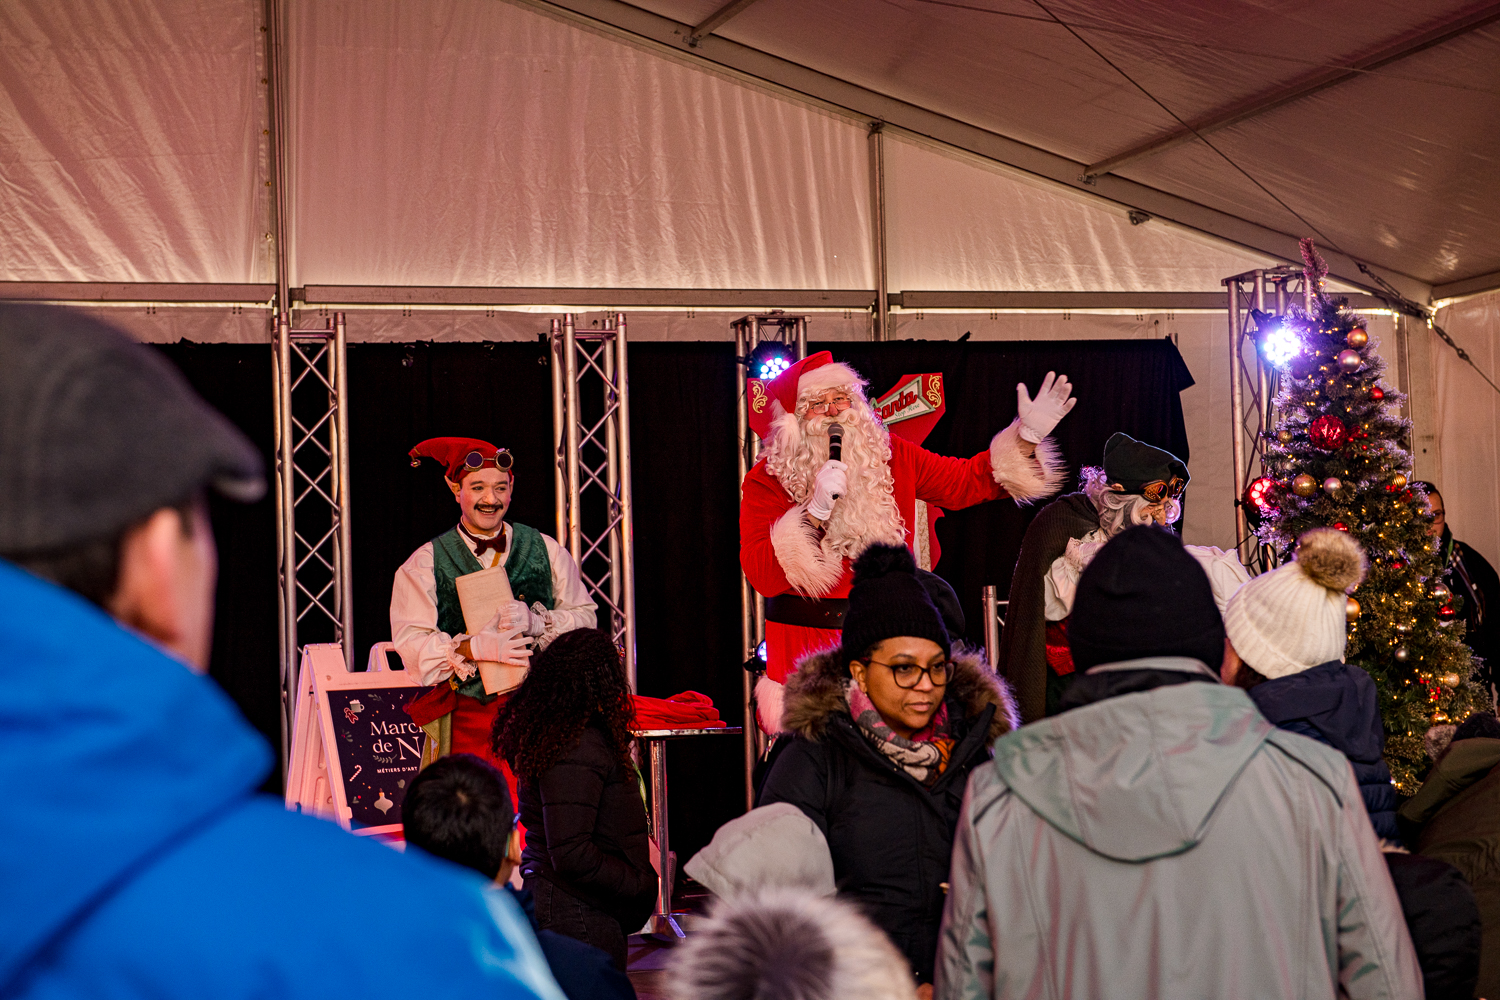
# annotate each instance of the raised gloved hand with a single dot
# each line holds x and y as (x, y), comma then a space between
(831, 482)
(507, 646)
(1052, 403)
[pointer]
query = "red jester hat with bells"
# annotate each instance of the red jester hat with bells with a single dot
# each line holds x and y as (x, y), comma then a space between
(455, 454)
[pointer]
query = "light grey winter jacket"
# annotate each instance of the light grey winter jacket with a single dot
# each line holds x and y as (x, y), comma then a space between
(1169, 843)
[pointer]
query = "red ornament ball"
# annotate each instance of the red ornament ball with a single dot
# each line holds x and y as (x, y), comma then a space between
(1328, 432)
(1446, 612)
(1340, 526)
(1377, 393)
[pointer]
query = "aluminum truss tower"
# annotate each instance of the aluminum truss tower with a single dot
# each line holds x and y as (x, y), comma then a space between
(592, 471)
(312, 499)
(1255, 383)
(749, 333)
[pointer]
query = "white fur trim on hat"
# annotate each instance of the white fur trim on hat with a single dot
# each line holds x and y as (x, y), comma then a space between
(834, 375)
(1026, 478)
(808, 568)
(1293, 618)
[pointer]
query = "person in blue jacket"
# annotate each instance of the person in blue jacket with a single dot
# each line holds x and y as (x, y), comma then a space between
(1287, 631)
(136, 857)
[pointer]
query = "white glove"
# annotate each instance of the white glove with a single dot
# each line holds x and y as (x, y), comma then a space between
(831, 482)
(1052, 403)
(508, 646)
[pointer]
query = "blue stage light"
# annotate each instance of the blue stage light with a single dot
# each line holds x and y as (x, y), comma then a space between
(760, 651)
(1279, 345)
(769, 359)
(771, 367)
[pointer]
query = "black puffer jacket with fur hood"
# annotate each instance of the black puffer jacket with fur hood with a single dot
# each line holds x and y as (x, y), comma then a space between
(890, 837)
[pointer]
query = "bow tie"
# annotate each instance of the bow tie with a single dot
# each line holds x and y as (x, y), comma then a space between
(483, 545)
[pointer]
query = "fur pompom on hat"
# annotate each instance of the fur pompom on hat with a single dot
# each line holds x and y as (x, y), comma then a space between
(788, 944)
(1292, 618)
(888, 599)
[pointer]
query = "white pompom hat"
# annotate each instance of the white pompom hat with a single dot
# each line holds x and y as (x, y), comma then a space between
(1293, 618)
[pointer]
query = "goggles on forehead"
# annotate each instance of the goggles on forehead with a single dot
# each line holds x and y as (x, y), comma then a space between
(501, 459)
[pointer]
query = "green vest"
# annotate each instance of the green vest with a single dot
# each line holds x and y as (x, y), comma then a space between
(527, 566)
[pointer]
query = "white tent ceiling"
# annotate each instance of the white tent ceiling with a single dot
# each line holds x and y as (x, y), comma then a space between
(463, 154)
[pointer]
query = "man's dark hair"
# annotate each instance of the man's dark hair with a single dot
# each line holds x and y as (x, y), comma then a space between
(459, 808)
(1480, 725)
(92, 569)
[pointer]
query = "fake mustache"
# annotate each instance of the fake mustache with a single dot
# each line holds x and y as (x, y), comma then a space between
(488, 508)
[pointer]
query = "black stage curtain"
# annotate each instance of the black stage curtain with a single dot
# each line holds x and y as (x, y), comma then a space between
(686, 497)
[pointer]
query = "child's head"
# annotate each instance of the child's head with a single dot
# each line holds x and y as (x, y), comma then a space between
(459, 808)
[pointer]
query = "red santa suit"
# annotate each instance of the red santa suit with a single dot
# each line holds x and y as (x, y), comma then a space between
(785, 555)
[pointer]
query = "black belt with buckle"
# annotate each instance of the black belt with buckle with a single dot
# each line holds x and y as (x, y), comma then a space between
(808, 612)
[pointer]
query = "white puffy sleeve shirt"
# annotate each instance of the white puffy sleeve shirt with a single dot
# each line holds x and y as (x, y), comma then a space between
(428, 653)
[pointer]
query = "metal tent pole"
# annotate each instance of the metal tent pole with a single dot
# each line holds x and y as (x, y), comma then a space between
(286, 535)
(1237, 407)
(625, 570)
(570, 376)
(559, 432)
(346, 537)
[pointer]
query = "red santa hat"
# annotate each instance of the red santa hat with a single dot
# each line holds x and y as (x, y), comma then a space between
(815, 373)
(461, 455)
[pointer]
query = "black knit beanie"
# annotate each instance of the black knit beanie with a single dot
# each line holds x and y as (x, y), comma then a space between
(888, 600)
(1144, 595)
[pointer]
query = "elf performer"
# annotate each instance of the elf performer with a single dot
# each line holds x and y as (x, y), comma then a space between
(804, 517)
(1138, 484)
(427, 622)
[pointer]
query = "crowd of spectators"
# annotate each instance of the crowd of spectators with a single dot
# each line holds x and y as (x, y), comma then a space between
(1208, 815)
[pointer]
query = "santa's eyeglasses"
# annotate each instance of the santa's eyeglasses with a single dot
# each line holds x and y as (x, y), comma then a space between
(822, 406)
(501, 459)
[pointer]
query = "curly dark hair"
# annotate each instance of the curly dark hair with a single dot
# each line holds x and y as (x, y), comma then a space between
(577, 681)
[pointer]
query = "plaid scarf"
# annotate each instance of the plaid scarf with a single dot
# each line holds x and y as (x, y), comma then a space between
(924, 756)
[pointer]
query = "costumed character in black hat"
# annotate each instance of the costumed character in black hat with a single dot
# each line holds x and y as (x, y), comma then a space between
(1138, 484)
(804, 515)
(427, 619)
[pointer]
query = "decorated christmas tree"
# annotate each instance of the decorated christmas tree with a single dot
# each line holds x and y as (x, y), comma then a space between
(1336, 458)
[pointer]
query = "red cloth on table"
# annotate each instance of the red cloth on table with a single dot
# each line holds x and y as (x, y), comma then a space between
(917, 474)
(688, 710)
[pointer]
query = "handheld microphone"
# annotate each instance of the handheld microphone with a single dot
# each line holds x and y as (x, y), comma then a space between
(836, 445)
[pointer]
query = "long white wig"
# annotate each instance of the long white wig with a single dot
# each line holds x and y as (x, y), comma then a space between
(1118, 511)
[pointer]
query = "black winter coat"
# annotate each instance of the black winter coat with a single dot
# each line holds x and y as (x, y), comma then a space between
(891, 838)
(586, 832)
(1337, 705)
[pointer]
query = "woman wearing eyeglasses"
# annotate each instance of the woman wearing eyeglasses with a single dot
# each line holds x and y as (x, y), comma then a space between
(886, 729)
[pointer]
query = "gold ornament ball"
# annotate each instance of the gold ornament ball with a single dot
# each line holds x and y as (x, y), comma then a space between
(1439, 716)
(1398, 480)
(1350, 361)
(1304, 485)
(1403, 628)
(1357, 338)
(1402, 654)
(1351, 609)
(1285, 437)
(1451, 680)
(1440, 591)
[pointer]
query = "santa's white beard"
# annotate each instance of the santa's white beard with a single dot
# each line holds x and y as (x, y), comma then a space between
(867, 513)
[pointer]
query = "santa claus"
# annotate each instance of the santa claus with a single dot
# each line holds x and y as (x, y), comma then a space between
(806, 513)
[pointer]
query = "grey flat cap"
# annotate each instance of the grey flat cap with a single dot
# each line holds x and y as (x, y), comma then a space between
(97, 431)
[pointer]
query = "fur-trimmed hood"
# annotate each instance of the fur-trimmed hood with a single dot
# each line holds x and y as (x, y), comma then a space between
(817, 690)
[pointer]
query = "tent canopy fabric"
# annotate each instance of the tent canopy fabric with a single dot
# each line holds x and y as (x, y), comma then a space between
(521, 143)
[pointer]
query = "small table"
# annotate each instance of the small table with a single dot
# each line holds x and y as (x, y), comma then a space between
(663, 922)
